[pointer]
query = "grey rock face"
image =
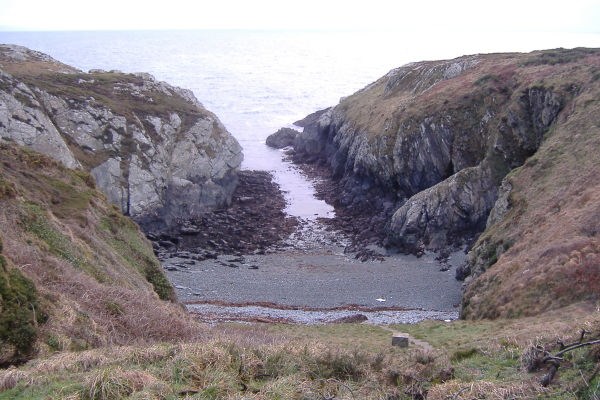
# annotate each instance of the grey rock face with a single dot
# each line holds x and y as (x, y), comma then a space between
(442, 158)
(449, 212)
(282, 138)
(152, 148)
(420, 76)
(23, 121)
(502, 204)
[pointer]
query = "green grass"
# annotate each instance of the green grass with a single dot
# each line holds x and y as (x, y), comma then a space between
(35, 221)
(68, 198)
(349, 337)
(128, 242)
(21, 313)
(310, 362)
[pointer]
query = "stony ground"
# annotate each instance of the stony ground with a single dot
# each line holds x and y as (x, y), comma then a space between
(253, 223)
(253, 262)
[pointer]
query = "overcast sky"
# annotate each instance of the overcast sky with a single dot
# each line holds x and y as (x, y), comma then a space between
(580, 16)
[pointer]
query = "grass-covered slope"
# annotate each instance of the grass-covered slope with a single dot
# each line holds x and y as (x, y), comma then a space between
(543, 251)
(75, 272)
(462, 360)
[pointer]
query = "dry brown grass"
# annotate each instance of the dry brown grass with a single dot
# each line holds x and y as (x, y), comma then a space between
(554, 223)
(88, 262)
(36, 64)
(470, 359)
(483, 390)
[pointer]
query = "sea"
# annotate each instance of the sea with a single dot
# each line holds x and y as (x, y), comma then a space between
(259, 81)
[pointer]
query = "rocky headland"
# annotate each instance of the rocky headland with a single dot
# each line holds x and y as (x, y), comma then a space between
(475, 153)
(152, 148)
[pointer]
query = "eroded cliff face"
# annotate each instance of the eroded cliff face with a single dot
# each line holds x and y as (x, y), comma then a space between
(436, 138)
(152, 147)
(489, 143)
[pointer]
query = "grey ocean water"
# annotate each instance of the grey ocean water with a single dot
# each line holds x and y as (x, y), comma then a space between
(255, 81)
(259, 81)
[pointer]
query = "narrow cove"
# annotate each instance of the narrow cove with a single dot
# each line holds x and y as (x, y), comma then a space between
(304, 275)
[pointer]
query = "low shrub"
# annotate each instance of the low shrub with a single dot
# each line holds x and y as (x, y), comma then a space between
(21, 312)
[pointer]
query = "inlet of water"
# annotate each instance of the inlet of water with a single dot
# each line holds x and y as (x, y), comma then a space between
(298, 190)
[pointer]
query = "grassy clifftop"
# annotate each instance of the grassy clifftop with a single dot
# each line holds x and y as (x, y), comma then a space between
(544, 250)
(449, 143)
(77, 261)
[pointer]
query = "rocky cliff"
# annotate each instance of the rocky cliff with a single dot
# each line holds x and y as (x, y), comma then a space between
(429, 145)
(152, 148)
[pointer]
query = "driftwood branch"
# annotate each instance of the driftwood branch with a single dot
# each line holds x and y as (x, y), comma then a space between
(554, 360)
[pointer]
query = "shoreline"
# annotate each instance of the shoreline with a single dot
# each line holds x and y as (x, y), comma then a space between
(219, 313)
(253, 262)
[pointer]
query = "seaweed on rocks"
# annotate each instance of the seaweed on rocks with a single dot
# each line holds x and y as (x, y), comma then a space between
(253, 223)
(363, 221)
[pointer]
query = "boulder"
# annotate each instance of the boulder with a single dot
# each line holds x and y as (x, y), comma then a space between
(351, 319)
(282, 138)
(400, 341)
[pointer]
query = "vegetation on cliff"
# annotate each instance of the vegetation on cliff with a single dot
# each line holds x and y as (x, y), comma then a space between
(20, 313)
(425, 152)
(75, 272)
(541, 250)
(152, 148)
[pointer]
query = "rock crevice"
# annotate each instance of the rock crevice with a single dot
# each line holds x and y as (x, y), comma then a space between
(435, 139)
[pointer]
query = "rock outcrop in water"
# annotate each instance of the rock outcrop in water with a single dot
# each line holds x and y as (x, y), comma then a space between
(438, 152)
(152, 147)
(282, 138)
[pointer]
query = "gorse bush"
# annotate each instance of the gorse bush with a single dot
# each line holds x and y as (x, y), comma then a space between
(21, 313)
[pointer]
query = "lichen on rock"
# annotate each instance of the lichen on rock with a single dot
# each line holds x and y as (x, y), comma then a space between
(152, 148)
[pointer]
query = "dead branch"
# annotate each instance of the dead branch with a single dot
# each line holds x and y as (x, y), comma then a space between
(554, 360)
(560, 353)
(455, 397)
(546, 379)
(344, 385)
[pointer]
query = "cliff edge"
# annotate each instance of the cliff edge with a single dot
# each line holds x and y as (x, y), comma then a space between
(151, 147)
(438, 152)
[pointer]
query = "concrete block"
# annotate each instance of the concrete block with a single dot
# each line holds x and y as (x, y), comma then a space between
(400, 341)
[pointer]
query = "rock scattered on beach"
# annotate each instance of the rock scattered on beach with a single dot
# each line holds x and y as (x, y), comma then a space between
(254, 223)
